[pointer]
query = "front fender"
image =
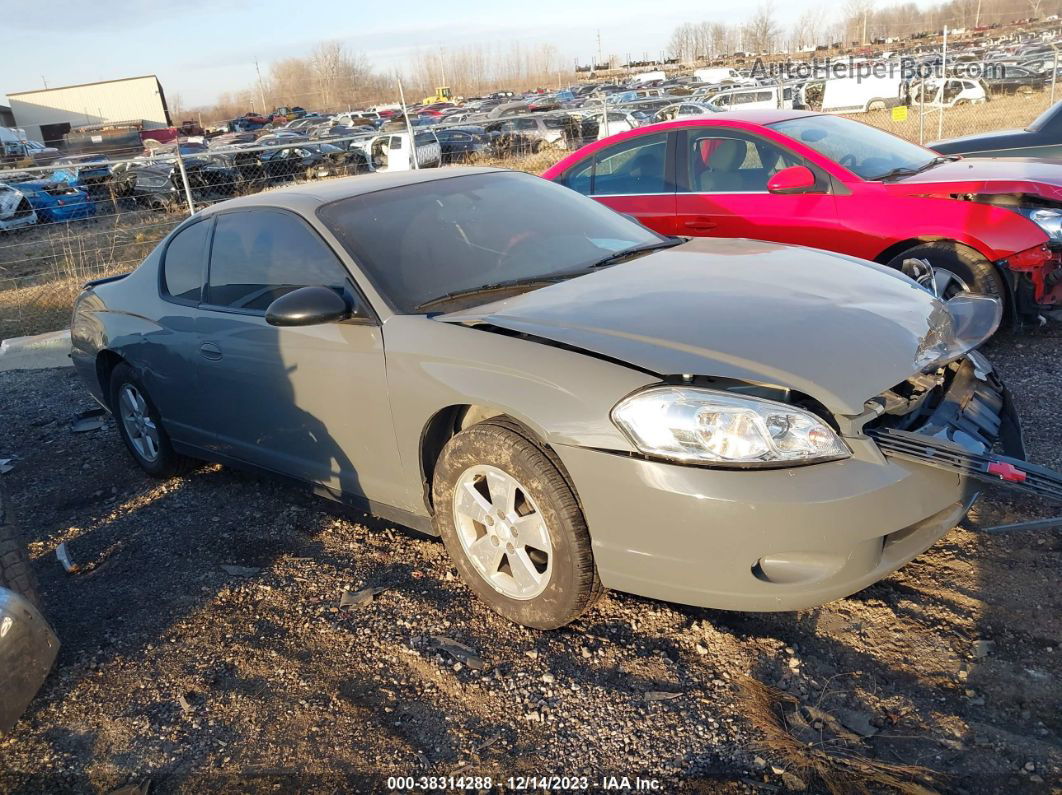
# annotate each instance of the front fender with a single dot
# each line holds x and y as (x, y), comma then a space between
(564, 396)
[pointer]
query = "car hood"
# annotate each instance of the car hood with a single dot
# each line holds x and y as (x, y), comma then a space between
(836, 328)
(980, 138)
(986, 175)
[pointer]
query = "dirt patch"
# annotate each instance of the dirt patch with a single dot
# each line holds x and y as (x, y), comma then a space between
(204, 648)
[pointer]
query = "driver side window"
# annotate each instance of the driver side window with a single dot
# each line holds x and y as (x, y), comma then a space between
(722, 162)
(259, 255)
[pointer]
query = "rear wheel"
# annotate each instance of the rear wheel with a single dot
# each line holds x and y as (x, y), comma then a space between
(140, 425)
(513, 526)
(953, 269)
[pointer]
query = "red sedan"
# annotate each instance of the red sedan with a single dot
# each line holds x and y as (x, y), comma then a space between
(987, 226)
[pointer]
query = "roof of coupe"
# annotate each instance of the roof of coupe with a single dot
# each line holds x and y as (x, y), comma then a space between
(318, 193)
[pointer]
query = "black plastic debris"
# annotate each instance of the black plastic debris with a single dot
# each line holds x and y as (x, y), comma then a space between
(459, 651)
(659, 695)
(240, 571)
(91, 420)
(360, 598)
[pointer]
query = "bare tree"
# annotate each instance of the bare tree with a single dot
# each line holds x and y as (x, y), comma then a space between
(762, 30)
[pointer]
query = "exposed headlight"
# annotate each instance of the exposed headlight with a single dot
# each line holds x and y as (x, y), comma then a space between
(153, 182)
(701, 426)
(1047, 218)
(957, 327)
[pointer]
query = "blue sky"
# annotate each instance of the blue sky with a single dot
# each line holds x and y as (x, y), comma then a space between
(200, 48)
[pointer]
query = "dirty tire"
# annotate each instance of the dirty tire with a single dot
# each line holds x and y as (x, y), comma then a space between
(168, 463)
(977, 272)
(15, 572)
(876, 104)
(573, 586)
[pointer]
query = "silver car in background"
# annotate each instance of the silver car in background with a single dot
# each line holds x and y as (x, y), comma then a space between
(571, 401)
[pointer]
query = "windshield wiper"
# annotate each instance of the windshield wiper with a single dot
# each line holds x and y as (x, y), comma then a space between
(538, 281)
(904, 171)
(634, 251)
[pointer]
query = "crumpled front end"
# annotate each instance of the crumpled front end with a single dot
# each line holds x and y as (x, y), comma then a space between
(28, 648)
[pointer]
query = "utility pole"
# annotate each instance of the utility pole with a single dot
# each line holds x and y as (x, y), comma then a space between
(943, 85)
(977, 16)
(409, 127)
(45, 82)
(599, 61)
(865, 13)
(261, 91)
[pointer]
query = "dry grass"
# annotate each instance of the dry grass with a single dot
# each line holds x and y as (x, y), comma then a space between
(1006, 112)
(836, 764)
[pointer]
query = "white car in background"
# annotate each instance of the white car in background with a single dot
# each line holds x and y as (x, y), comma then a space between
(682, 109)
(766, 97)
(15, 210)
(392, 151)
(949, 93)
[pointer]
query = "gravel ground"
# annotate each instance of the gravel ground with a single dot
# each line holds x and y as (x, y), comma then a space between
(204, 649)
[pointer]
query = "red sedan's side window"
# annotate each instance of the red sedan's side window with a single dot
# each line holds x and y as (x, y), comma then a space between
(722, 162)
(634, 167)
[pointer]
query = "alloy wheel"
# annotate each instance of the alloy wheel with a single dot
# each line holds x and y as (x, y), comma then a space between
(502, 532)
(141, 429)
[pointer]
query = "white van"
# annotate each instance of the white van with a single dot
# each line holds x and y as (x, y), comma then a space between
(862, 94)
(720, 74)
(647, 77)
(767, 97)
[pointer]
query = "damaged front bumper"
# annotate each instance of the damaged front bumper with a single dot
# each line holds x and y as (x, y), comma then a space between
(788, 539)
(28, 648)
(975, 415)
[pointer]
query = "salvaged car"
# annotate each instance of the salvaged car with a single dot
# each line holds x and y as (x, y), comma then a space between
(1042, 139)
(55, 201)
(15, 210)
(992, 227)
(572, 401)
(155, 181)
(28, 645)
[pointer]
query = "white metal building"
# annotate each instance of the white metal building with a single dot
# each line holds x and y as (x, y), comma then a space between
(48, 114)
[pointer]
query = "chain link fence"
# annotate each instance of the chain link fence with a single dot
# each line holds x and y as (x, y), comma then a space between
(88, 216)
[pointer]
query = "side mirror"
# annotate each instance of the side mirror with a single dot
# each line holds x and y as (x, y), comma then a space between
(795, 179)
(308, 306)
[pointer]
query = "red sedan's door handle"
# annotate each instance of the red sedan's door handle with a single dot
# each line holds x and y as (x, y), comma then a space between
(210, 350)
(704, 225)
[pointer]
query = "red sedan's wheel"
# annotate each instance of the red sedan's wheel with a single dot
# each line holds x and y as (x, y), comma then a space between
(955, 269)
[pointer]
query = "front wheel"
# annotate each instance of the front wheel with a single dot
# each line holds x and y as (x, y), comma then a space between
(952, 270)
(513, 526)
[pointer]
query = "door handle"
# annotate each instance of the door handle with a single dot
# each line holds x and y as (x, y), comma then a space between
(705, 225)
(210, 350)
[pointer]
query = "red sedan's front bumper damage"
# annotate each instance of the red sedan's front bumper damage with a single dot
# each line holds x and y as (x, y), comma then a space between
(1043, 267)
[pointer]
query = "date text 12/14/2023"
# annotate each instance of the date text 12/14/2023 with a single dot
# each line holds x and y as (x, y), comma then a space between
(524, 783)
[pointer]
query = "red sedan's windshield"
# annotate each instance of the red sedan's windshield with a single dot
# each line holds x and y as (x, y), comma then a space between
(867, 151)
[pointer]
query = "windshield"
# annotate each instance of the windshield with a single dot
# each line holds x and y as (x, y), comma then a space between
(867, 151)
(428, 239)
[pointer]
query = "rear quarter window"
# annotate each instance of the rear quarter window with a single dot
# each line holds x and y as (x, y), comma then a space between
(182, 266)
